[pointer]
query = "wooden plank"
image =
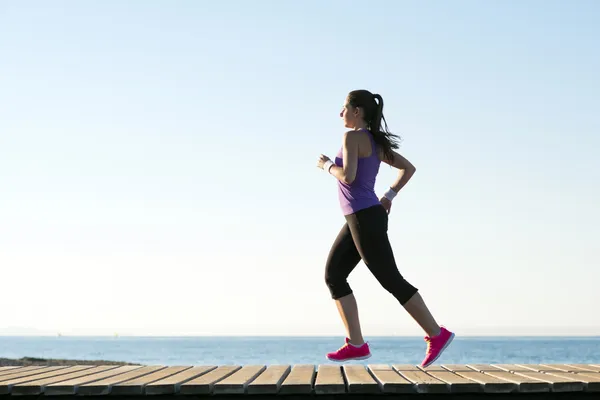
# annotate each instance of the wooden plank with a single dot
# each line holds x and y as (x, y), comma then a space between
(24, 372)
(204, 383)
(101, 384)
(553, 368)
(73, 386)
(491, 384)
(424, 383)
(17, 370)
(270, 380)
(459, 367)
(432, 368)
(8, 370)
(37, 386)
(482, 367)
(359, 380)
(457, 383)
(558, 384)
(299, 381)
(237, 382)
(329, 380)
(559, 367)
(406, 367)
(6, 385)
(525, 384)
(585, 367)
(391, 381)
(591, 380)
(136, 386)
(171, 384)
(512, 367)
(540, 368)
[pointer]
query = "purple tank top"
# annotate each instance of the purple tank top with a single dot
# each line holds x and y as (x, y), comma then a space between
(361, 193)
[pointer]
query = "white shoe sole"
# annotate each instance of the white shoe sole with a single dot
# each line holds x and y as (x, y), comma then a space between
(349, 359)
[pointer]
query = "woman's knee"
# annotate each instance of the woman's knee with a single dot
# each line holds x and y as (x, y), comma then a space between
(338, 286)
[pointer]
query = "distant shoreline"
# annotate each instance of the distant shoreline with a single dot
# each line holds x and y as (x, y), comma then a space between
(29, 361)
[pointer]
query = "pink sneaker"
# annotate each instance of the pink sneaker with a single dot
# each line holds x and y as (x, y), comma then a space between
(350, 352)
(436, 345)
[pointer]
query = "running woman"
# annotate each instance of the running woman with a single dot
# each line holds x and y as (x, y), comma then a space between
(364, 235)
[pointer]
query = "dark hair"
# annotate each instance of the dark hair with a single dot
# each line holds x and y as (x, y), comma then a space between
(372, 106)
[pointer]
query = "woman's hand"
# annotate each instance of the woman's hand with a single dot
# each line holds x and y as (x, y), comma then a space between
(322, 160)
(386, 203)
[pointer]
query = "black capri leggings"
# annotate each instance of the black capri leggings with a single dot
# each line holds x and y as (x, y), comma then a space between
(364, 236)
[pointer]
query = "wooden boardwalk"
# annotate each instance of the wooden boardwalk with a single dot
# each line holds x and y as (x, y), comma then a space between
(301, 380)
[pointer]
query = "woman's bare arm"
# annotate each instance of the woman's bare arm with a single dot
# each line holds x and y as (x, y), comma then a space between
(347, 173)
(405, 170)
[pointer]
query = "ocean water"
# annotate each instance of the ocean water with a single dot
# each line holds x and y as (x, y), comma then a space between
(299, 350)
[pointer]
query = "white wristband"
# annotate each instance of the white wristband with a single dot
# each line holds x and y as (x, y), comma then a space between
(328, 164)
(390, 194)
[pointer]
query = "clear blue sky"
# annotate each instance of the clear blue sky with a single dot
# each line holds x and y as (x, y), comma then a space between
(157, 163)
